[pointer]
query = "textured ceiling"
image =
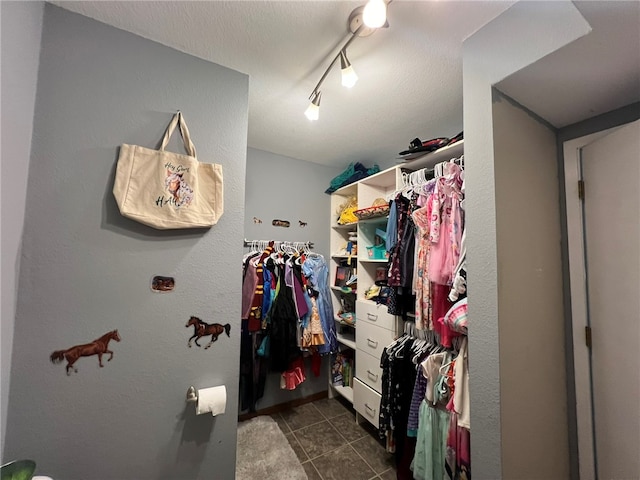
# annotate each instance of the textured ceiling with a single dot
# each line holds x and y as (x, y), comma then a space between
(595, 74)
(410, 75)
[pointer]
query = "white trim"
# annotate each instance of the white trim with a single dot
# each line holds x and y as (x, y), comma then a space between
(577, 280)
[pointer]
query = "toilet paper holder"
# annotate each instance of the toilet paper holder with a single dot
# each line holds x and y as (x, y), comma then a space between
(192, 395)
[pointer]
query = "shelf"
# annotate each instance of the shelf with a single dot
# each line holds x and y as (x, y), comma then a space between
(380, 219)
(345, 226)
(339, 290)
(373, 260)
(429, 159)
(347, 190)
(347, 340)
(346, 392)
(381, 179)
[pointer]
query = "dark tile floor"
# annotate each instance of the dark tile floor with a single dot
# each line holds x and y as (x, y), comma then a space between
(331, 446)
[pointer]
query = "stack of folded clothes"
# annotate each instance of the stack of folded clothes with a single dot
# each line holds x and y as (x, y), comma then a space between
(353, 173)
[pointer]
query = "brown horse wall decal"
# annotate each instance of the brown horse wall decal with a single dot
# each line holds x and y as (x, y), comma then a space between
(202, 329)
(97, 347)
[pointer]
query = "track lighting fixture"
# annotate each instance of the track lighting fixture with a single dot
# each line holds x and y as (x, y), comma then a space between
(375, 13)
(359, 27)
(313, 110)
(349, 77)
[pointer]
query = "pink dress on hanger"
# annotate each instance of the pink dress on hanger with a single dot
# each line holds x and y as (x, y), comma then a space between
(446, 226)
(439, 234)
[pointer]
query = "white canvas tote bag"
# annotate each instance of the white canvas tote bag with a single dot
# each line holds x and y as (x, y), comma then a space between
(168, 190)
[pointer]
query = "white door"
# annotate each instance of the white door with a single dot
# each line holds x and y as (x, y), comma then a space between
(611, 173)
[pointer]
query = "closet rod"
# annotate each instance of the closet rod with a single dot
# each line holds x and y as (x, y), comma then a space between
(278, 243)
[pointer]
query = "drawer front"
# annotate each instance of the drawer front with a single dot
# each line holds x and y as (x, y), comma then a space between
(372, 339)
(368, 370)
(366, 402)
(375, 314)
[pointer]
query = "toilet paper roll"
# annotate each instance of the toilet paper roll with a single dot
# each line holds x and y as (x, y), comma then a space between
(212, 400)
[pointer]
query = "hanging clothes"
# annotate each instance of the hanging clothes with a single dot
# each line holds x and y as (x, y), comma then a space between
(313, 334)
(249, 284)
(255, 312)
(424, 411)
(316, 271)
(253, 368)
(423, 313)
(283, 326)
(286, 306)
(430, 454)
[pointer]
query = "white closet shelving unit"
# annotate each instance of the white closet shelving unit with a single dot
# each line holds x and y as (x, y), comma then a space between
(374, 328)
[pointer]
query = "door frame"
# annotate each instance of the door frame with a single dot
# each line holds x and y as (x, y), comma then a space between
(578, 288)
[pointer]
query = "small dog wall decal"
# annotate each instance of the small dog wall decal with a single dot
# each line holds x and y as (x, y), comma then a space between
(302, 224)
(98, 347)
(256, 220)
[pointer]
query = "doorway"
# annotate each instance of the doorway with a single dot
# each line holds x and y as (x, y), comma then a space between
(604, 240)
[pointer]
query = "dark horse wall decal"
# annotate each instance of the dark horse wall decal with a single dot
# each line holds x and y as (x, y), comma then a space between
(202, 329)
(97, 347)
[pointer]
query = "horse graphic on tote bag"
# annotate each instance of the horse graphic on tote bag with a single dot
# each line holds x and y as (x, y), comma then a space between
(180, 190)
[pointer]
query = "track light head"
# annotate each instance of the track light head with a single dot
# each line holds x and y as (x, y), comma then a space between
(313, 110)
(349, 77)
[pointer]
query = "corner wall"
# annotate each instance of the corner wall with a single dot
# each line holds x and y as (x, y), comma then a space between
(86, 270)
(534, 29)
(530, 303)
(21, 31)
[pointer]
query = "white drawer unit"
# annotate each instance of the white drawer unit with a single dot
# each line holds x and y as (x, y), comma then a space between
(366, 402)
(372, 339)
(370, 312)
(368, 370)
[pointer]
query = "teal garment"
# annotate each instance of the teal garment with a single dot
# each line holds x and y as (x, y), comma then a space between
(353, 173)
(431, 445)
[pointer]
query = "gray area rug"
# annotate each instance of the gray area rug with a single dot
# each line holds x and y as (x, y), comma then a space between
(264, 452)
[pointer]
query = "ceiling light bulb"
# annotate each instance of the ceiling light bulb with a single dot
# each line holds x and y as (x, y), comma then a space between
(375, 13)
(313, 110)
(349, 77)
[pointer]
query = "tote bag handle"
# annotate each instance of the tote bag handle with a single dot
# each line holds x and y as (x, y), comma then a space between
(184, 131)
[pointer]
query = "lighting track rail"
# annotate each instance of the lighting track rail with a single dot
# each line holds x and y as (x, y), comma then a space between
(363, 21)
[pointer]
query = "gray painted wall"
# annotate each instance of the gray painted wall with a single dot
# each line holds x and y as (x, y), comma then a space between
(21, 31)
(533, 32)
(285, 188)
(86, 270)
(530, 303)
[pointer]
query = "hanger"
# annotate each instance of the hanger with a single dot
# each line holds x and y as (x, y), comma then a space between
(395, 347)
(445, 367)
(399, 348)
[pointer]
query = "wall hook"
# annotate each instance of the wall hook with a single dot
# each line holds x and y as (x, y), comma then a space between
(192, 395)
